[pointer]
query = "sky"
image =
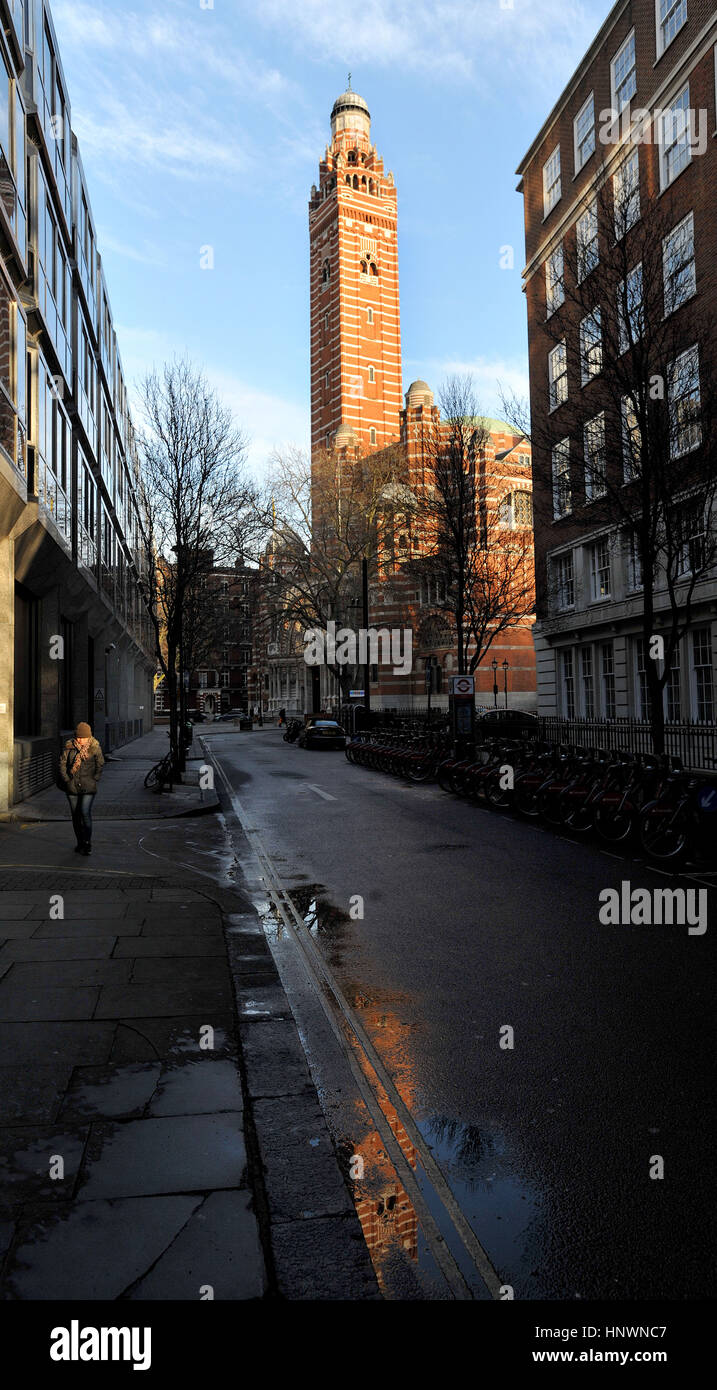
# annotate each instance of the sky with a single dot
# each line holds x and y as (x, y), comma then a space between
(201, 124)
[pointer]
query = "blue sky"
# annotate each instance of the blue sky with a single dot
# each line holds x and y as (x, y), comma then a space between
(202, 125)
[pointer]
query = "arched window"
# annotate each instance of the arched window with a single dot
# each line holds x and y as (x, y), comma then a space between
(374, 268)
(352, 156)
(326, 271)
(364, 268)
(356, 182)
(371, 186)
(348, 179)
(363, 180)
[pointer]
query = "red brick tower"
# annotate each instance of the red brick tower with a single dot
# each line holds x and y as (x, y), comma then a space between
(355, 322)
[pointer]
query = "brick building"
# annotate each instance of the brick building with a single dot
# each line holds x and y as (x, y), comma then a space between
(75, 636)
(633, 129)
(357, 407)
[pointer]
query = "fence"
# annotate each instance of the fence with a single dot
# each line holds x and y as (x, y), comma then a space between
(695, 744)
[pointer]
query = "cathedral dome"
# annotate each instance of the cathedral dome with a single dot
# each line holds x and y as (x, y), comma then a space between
(345, 437)
(418, 393)
(350, 112)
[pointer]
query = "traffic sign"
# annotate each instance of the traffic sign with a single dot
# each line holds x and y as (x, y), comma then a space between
(462, 685)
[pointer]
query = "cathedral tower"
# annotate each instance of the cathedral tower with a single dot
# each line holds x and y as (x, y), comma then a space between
(355, 323)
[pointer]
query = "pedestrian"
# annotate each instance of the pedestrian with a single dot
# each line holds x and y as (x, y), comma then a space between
(282, 717)
(81, 766)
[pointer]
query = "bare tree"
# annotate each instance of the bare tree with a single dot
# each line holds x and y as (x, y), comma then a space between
(480, 555)
(196, 492)
(620, 304)
(327, 520)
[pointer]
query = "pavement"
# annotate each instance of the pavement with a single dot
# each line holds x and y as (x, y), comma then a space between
(122, 794)
(160, 1133)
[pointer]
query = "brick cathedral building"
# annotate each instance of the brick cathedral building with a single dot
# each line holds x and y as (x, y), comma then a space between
(358, 409)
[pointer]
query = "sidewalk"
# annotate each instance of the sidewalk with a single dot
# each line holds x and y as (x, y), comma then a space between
(160, 1133)
(122, 794)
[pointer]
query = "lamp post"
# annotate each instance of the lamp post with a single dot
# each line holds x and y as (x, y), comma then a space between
(494, 664)
(506, 666)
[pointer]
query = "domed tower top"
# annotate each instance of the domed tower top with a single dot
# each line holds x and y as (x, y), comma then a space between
(350, 112)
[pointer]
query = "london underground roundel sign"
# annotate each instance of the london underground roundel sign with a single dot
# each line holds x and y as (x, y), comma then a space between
(463, 685)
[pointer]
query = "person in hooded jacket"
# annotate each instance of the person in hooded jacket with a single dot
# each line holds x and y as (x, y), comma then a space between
(81, 767)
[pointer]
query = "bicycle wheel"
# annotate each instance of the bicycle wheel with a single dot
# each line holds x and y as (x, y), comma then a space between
(612, 823)
(664, 833)
(152, 778)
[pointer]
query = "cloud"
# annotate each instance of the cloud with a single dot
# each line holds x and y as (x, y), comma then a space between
(491, 376)
(456, 39)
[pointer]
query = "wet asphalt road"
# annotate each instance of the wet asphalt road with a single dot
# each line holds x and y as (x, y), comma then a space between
(473, 921)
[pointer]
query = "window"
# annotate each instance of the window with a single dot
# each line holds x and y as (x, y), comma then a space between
(671, 15)
(369, 315)
(558, 375)
(590, 346)
(626, 194)
(683, 390)
(326, 321)
(554, 285)
(675, 146)
(630, 309)
(673, 703)
(326, 272)
(562, 497)
(203, 675)
(634, 563)
(516, 510)
(702, 676)
(622, 74)
(690, 536)
(588, 251)
(607, 680)
(225, 678)
(586, 675)
(372, 374)
(372, 435)
(568, 683)
(631, 440)
(678, 264)
(327, 379)
(584, 133)
(225, 587)
(600, 570)
(551, 181)
(565, 581)
(595, 460)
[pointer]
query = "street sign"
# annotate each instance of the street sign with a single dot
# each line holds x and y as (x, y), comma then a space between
(462, 685)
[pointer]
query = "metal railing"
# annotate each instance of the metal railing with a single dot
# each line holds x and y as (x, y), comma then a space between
(695, 744)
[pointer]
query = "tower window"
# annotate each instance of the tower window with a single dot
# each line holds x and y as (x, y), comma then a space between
(348, 178)
(374, 268)
(326, 271)
(370, 315)
(371, 374)
(328, 439)
(356, 182)
(327, 376)
(372, 435)
(363, 180)
(364, 268)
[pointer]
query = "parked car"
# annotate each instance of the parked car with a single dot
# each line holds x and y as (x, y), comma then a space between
(508, 722)
(322, 733)
(196, 716)
(231, 714)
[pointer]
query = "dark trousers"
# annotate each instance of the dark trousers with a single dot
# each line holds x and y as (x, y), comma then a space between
(81, 812)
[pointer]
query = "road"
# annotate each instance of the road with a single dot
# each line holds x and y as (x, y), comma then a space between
(472, 922)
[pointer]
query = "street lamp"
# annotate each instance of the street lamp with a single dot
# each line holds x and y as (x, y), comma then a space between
(494, 664)
(506, 666)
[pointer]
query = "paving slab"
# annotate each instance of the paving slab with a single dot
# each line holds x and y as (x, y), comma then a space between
(219, 1246)
(92, 906)
(274, 1059)
(323, 1260)
(64, 1255)
(301, 1174)
(32, 1094)
(262, 1000)
(69, 973)
(148, 1039)
(86, 926)
(182, 944)
(207, 1086)
(12, 912)
(112, 1093)
(196, 1153)
(158, 1001)
(26, 1156)
(73, 1043)
(58, 949)
(26, 1003)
